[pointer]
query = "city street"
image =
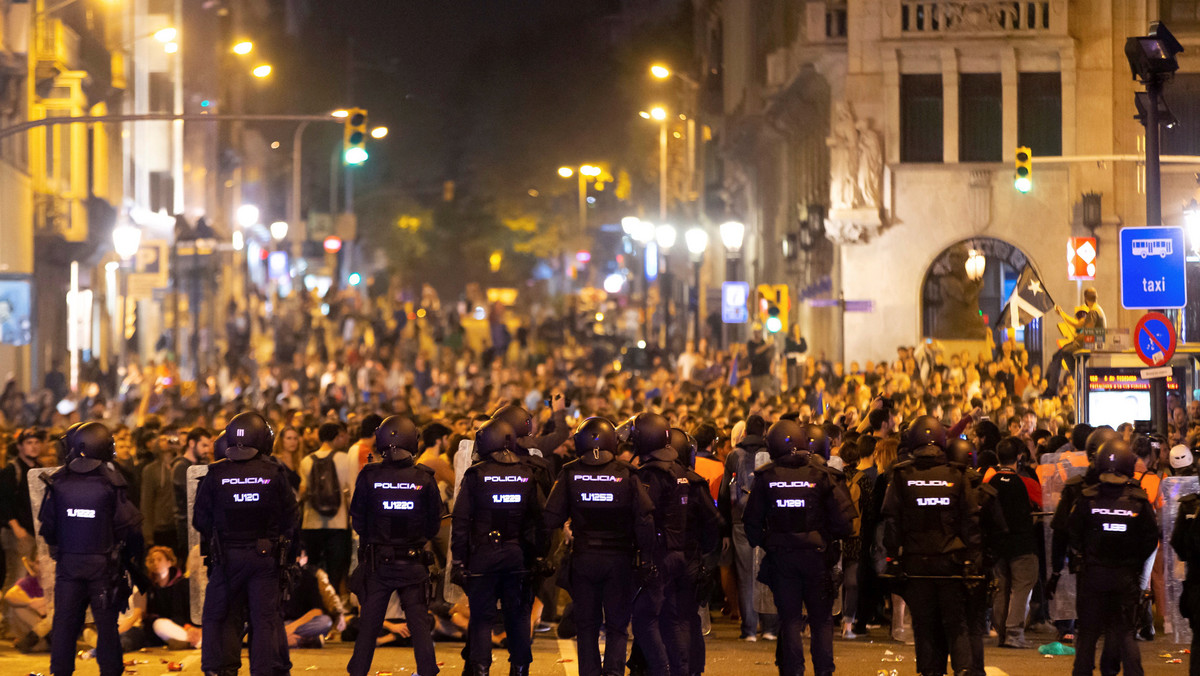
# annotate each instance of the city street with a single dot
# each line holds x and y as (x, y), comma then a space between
(726, 657)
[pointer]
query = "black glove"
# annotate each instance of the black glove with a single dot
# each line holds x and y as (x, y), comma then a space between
(1052, 585)
(646, 572)
(542, 567)
(458, 573)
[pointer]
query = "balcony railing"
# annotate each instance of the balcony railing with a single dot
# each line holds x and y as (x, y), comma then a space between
(933, 18)
(57, 48)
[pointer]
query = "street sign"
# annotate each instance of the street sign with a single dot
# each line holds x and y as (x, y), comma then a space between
(1154, 338)
(733, 302)
(1161, 372)
(1081, 258)
(1153, 268)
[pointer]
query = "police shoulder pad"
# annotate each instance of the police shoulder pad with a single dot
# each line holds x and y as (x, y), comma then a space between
(114, 476)
(1073, 481)
(1138, 493)
(765, 468)
(425, 468)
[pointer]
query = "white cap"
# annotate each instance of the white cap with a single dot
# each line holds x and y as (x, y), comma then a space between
(1180, 457)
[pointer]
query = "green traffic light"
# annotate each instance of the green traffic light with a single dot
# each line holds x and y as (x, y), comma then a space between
(355, 155)
(774, 324)
(1023, 184)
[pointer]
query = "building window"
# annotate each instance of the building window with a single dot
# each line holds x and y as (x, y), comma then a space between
(921, 118)
(1181, 96)
(980, 118)
(1039, 113)
(162, 192)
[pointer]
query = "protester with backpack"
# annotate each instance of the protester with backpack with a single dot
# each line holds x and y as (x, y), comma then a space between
(327, 478)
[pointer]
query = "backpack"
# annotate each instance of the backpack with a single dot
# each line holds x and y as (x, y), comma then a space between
(743, 478)
(856, 479)
(324, 489)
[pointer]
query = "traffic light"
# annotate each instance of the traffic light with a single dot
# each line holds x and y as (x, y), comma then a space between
(773, 307)
(1023, 178)
(354, 137)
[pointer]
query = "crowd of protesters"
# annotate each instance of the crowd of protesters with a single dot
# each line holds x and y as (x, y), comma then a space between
(325, 375)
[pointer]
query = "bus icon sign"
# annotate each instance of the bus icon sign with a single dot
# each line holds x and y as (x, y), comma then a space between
(1153, 268)
(1153, 247)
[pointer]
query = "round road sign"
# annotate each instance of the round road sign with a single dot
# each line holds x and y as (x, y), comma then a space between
(1155, 339)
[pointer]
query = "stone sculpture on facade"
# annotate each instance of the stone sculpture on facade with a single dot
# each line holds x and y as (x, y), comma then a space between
(856, 177)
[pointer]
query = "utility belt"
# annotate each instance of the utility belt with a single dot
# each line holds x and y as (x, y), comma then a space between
(495, 538)
(269, 547)
(379, 554)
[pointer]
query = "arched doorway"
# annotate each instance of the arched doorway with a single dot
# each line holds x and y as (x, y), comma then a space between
(956, 305)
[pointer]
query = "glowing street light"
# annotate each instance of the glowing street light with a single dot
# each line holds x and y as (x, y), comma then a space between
(243, 48)
(732, 234)
(340, 113)
(976, 264)
(566, 172)
(658, 113)
(247, 215)
(665, 235)
(696, 240)
(379, 132)
(126, 240)
(279, 230)
(171, 47)
(261, 71)
(660, 72)
(165, 35)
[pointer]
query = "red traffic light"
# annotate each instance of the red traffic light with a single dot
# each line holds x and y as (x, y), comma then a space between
(333, 244)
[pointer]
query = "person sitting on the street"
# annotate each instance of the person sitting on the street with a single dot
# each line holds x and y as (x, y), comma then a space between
(27, 612)
(167, 620)
(307, 621)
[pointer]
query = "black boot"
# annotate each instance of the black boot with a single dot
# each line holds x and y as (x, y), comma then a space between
(518, 670)
(481, 670)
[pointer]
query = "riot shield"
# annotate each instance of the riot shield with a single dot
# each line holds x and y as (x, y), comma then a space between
(1062, 606)
(197, 571)
(37, 491)
(764, 598)
(462, 461)
(1172, 490)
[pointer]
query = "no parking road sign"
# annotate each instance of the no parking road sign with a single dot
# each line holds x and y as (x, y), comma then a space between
(1155, 339)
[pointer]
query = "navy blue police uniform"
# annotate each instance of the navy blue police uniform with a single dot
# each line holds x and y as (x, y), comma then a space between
(396, 511)
(246, 510)
(797, 512)
(496, 537)
(611, 519)
(94, 535)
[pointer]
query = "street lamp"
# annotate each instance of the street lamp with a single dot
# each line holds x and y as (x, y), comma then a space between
(247, 215)
(566, 172)
(976, 264)
(126, 240)
(665, 235)
(243, 48)
(587, 172)
(697, 242)
(660, 72)
(166, 35)
(659, 114)
(279, 230)
(732, 235)
(261, 71)
(379, 132)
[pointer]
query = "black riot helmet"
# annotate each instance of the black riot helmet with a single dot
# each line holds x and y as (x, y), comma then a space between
(91, 446)
(648, 433)
(815, 441)
(595, 435)
(685, 447)
(220, 445)
(66, 450)
(1098, 437)
(925, 431)
(494, 436)
(1115, 462)
(961, 452)
(517, 417)
(396, 438)
(784, 438)
(248, 434)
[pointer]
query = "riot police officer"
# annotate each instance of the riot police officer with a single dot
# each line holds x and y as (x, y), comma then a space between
(396, 510)
(1185, 540)
(961, 452)
(702, 544)
(662, 575)
(1112, 528)
(94, 535)
(496, 538)
(611, 519)
(246, 510)
(796, 513)
(931, 540)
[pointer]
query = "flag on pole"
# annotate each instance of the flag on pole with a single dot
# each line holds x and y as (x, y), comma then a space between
(1029, 300)
(733, 372)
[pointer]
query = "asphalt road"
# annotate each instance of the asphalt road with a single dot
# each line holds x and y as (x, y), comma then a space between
(552, 657)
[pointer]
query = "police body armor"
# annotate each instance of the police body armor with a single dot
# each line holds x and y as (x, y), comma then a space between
(85, 506)
(395, 516)
(671, 508)
(795, 515)
(508, 492)
(246, 513)
(601, 498)
(931, 509)
(1111, 514)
